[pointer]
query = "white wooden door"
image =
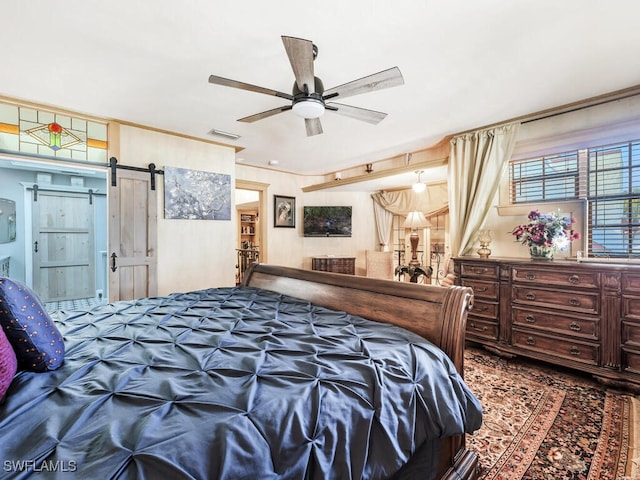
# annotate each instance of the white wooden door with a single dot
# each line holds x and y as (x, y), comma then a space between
(63, 246)
(132, 237)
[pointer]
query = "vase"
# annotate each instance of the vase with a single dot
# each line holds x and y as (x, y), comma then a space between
(541, 252)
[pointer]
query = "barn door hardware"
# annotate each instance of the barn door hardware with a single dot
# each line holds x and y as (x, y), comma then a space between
(90, 196)
(114, 267)
(35, 192)
(113, 165)
(35, 247)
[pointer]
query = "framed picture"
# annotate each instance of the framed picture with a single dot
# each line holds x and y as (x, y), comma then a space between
(196, 195)
(284, 211)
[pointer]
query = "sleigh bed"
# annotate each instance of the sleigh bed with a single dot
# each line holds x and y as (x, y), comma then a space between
(294, 374)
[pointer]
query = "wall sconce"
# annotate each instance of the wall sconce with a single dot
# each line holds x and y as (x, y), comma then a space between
(369, 168)
(414, 221)
(484, 237)
(419, 187)
(338, 175)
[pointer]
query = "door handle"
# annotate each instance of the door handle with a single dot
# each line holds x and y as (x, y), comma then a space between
(114, 267)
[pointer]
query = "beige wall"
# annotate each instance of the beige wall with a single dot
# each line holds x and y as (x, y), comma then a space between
(363, 234)
(594, 126)
(192, 254)
(288, 246)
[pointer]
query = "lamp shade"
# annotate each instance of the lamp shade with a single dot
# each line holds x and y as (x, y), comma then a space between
(416, 220)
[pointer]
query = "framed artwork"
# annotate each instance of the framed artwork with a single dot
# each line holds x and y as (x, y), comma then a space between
(284, 211)
(196, 195)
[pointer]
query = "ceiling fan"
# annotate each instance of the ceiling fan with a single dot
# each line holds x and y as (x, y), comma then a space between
(309, 98)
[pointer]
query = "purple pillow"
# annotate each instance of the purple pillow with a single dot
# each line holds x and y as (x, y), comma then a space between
(8, 364)
(34, 337)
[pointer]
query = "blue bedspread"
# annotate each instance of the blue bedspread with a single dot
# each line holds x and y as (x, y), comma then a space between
(230, 383)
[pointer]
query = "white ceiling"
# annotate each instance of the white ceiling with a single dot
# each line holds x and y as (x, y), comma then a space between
(466, 64)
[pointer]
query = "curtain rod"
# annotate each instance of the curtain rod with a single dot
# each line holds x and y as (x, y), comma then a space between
(566, 108)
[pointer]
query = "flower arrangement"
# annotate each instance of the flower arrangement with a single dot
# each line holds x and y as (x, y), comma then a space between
(547, 230)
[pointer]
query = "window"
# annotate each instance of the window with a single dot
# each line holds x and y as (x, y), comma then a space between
(545, 178)
(614, 200)
(607, 177)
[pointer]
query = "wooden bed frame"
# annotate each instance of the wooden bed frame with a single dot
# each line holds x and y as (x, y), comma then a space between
(436, 313)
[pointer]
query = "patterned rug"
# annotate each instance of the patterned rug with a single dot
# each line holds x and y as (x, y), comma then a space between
(549, 423)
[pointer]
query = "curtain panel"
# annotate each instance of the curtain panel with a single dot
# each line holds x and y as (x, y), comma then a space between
(477, 162)
(433, 201)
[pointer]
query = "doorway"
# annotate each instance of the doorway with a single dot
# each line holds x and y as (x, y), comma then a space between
(251, 208)
(65, 219)
(63, 246)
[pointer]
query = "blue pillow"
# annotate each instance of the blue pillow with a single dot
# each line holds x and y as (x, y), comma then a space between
(34, 337)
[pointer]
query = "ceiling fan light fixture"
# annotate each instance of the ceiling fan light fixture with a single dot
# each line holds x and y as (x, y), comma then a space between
(308, 108)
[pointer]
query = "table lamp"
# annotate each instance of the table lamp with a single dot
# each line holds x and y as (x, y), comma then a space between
(414, 221)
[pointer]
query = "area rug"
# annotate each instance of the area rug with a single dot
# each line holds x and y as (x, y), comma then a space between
(543, 422)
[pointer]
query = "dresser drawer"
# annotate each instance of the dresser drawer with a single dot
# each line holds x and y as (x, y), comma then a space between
(630, 360)
(582, 302)
(565, 278)
(584, 327)
(631, 282)
(556, 346)
(481, 328)
(631, 307)
(482, 308)
(481, 288)
(631, 334)
(479, 270)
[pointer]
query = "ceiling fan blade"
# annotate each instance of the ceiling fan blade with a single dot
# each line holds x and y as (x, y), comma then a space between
(385, 79)
(247, 86)
(268, 113)
(300, 53)
(314, 127)
(370, 116)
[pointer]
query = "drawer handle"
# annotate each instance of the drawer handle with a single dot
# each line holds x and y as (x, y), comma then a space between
(530, 296)
(575, 351)
(531, 341)
(530, 276)
(481, 289)
(574, 279)
(530, 319)
(483, 308)
(575, 327)
(574, 302)
(473, 326)
(479, 271)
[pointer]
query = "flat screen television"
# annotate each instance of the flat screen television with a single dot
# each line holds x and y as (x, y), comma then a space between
(327, 221)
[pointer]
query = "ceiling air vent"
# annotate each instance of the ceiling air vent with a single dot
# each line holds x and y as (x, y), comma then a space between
(219, 133)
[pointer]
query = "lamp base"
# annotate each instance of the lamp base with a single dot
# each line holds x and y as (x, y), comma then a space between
(414, 238)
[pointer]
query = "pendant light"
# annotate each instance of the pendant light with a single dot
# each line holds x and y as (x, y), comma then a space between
(419, 187)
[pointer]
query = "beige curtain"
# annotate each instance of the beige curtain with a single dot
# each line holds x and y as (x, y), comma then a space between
(477, 162)
(384, 223)
(432, 201)
(401, 202)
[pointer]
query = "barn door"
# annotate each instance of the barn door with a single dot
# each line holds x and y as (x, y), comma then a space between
(132, 237)
(63, 246)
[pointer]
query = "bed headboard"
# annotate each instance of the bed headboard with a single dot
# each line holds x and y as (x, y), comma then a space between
(436, 313)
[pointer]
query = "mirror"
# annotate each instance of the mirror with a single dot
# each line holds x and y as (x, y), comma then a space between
(7, 220)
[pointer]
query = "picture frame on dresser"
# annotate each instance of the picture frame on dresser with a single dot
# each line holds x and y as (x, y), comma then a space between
(284, 211)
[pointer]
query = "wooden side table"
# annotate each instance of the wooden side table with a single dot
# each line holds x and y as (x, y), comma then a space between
(335, 264)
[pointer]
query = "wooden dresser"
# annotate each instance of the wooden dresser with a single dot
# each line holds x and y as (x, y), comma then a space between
(334, 264)
(580, 315)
